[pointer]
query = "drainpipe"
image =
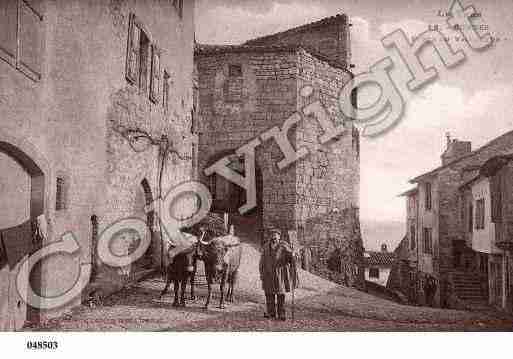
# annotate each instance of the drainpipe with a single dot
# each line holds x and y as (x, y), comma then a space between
(504, 278)
(162, 156)
(418, 246)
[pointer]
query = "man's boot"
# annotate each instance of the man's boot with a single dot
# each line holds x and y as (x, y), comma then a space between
(281, 306)
(271, 306)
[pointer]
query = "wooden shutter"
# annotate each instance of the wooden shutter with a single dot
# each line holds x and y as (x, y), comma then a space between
(30, 41)
(155, 74)
(132, 56)
(8, 29)
(165, 90)
(496, 197)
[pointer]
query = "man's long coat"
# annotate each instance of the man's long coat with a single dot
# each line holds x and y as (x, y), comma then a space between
(277, 269)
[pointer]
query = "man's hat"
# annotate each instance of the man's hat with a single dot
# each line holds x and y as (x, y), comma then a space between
(274, 230)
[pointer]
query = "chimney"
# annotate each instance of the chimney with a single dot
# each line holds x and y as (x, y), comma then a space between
(455, 149)
(384, 248)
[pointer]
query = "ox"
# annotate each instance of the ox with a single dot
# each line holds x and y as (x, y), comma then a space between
(221, 256)
(180, 271)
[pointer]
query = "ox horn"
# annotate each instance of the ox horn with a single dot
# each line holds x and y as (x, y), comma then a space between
(201, 239)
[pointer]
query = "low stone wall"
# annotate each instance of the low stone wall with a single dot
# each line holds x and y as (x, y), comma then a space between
(336, 246)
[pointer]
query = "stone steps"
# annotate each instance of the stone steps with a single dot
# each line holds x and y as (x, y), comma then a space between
(468, 287)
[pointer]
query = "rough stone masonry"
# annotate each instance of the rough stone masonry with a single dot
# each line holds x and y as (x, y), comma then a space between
(244, 90)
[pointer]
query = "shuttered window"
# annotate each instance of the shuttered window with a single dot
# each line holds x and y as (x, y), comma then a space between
(143, 61)
(234, 84)
(166, 88)
(60, 194)
(428, 240)
(374, 272)
(30, 41)
(138, 55)
(480, 213)
(21, 35)
(155, 74)
(178, 4)
(8, 30)
(413, 239)
(213, 185)
(428, 198)
(470, 217)
(144, 64)
(132, 62)
(496, 198)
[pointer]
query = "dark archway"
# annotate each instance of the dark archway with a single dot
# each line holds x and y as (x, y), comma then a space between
(147, 261)
(25, 242)
(228, 198)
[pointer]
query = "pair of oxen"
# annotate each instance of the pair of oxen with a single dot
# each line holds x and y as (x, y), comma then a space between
(221, 256)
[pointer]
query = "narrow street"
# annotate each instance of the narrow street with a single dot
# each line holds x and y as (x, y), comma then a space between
(337, 309)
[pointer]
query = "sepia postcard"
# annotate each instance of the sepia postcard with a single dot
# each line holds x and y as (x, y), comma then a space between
(255, 166)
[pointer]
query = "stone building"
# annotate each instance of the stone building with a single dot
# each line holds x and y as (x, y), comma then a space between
(243, 92)
(437, 225)
(96, 102)
(378, 265)
(487, 201)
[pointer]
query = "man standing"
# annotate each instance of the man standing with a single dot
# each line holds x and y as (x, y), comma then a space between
(277, 273)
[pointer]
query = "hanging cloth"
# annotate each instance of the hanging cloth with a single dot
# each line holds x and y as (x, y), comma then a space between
(17, 242)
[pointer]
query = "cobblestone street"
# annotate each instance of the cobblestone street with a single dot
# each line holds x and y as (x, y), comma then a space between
(339, 309)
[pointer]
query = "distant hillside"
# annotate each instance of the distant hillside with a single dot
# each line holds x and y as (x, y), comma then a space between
(375, 233)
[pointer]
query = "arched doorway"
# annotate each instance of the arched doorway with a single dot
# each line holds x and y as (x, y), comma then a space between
(22, 192)
(227, 197)
(144, 198)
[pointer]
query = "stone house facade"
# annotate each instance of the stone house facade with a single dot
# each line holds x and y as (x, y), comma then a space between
(487, 201)
(378, 265)
(441, 250)
(96, 102)
(245, 90)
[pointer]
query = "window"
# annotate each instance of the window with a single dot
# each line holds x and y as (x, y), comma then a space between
(138, 52)
(178, 4)
(233, 84)
(235, 71)
(194, 163)
(428, 196)
(21, 35)
(470, 217)
(144, 54)
(155, 74)
(60, 194)
(165, 91)
(428, 240)
(374, 272)
(496, 203)
(480, 215)
(193, 121)
(354, 98)
(356, 141)
(212, 185)
(413, 239)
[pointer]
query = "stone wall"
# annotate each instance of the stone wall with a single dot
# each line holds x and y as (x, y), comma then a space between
(329, 177)
(65, 121)
(336, 246)
(448, 222)
(329, 37)
(268, 98)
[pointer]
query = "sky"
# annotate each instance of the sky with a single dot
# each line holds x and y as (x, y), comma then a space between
(471, 101)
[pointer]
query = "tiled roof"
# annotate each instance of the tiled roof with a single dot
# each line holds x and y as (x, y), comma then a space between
(409, 192)
(433, 172)
(306, 27)
(378, 258)
(489, 168)
(205, 49)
